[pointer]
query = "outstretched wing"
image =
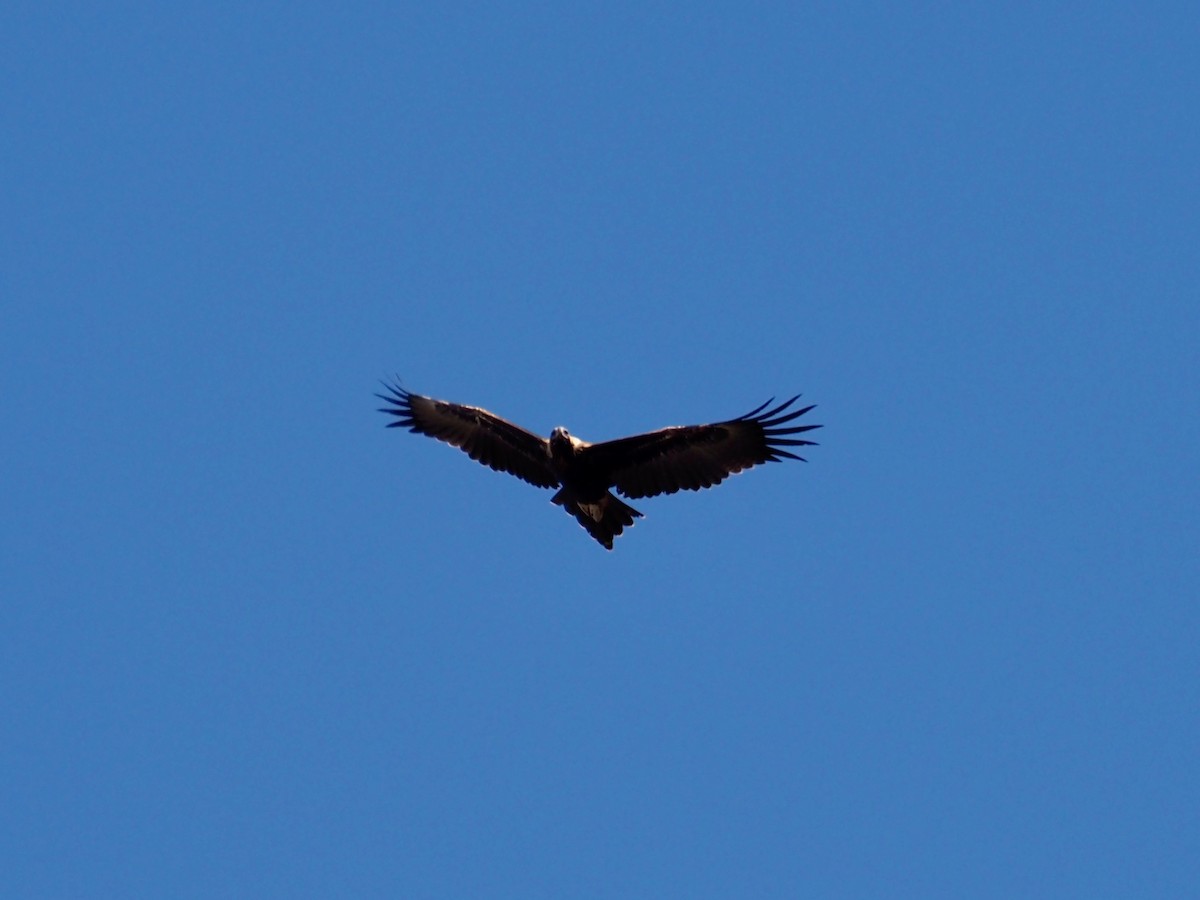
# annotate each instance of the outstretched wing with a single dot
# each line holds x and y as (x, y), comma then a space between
(698, 456)
(484, 437)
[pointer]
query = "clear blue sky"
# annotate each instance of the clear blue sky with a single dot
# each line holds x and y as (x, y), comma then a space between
(254, 644)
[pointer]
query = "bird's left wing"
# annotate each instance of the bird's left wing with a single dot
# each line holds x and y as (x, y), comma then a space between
(692, 457)
(483, 436)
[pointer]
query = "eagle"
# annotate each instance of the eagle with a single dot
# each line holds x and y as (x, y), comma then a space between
(659, 462)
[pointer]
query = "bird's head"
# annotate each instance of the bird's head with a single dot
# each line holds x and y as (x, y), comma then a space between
(562, 444)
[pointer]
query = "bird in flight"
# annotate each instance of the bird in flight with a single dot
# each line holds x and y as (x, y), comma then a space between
(644, 465)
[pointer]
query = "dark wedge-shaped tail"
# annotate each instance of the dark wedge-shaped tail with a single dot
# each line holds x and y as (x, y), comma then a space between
(603, 519)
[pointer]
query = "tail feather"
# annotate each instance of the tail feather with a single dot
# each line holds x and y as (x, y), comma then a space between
(603, 519)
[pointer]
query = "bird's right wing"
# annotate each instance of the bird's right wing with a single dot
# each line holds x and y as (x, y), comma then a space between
(484, 437)
(691, 457)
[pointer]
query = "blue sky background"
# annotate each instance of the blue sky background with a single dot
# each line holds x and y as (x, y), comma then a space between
(253, 644)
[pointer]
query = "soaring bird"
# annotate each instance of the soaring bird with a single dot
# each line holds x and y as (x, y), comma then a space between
(644, 465)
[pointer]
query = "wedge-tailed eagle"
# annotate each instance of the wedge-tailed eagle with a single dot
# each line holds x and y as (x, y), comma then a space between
(645, 465)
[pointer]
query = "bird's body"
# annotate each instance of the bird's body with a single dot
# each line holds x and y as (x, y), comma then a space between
(584, 492)
(659, 462)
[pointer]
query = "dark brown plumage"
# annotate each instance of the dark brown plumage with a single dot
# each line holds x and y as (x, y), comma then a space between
(684, 457)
